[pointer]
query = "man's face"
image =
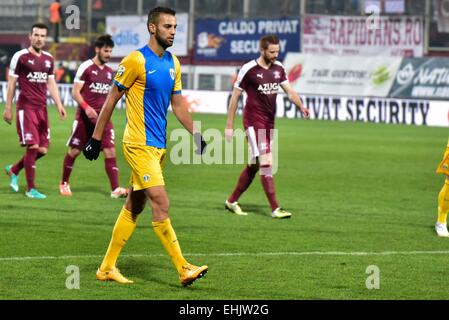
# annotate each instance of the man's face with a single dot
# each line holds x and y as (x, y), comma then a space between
(37, 38)
(165, 30)
(271, 54)
(104, 54)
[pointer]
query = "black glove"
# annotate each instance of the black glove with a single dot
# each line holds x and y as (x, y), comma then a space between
(200, 143)
(92, 149)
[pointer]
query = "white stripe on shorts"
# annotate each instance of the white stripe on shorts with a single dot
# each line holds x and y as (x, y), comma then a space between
(21, 117)
(74, 125)
(254, 149)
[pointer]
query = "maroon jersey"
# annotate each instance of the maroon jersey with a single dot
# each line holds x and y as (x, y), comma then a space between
(261, 86)
(96, 83)
(32, 72)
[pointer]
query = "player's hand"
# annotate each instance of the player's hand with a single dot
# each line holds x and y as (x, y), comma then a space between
(62, 113)
(305, 112)
(7, 116)
(200, 143)
(92, 149)
(91, 113)
(229, 134)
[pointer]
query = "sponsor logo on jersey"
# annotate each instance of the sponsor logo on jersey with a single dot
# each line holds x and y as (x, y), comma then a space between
(37, 76)
(98, 87)
(268, 88)
(95, 72)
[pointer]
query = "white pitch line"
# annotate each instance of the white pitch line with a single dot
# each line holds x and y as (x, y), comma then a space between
(238, 254)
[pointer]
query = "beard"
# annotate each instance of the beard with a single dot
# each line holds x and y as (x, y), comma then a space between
(37, 49)
(164, 43)
(102, 61)
(268, 60)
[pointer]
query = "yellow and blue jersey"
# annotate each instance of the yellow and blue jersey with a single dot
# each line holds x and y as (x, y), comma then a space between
(149, 81)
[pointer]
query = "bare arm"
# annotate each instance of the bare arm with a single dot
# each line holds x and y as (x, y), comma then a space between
(182, 113)
(54, 93)
(106, 111)
(7, 113)
(76, 94)
(294, 97)
(233, 103)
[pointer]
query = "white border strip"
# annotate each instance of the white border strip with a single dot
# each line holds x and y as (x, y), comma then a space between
(240, 254)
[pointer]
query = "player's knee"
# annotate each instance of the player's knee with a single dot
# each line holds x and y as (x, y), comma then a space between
(73, 152)
(266, 160)
(109, 153)
(266, 171)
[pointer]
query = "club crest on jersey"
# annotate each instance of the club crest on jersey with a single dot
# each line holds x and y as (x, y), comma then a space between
(109, 75)
(277, 75)
(172, 73)
(121, 70)
(146, 178)
(47, 64)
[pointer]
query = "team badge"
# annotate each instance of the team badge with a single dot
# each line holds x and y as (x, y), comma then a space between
(172, 73)
(277, 75)
(109, 76)
(47, 64)
(121, 70)
(146, 178)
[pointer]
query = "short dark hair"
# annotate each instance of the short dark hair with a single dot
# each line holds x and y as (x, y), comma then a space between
(267, 40)
(153, 15)
(39, 25)
(104, 41)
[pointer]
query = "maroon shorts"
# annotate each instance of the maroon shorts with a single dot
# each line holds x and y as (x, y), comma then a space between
(82, 130)
(260, 140)
(33, 127)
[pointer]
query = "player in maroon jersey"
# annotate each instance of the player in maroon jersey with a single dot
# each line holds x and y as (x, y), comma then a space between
(260, 79)
(90, 89)
(33, 69)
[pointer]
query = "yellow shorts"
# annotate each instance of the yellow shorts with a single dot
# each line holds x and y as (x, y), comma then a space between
(146, 166)
(443, 167)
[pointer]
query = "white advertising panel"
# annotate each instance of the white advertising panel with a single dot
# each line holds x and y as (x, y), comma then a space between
(130, 33)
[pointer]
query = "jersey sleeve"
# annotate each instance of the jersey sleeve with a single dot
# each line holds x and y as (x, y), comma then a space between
(241, 82)
(128, 70)
(81, 74)
(14, 67)
(51, 70)
(177, 88)
(284, 78)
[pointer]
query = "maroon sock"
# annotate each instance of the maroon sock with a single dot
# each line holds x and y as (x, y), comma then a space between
(18, 166)
(268, 187)
(29, 163)
(111, 169)
(67, 168)
(246, 177)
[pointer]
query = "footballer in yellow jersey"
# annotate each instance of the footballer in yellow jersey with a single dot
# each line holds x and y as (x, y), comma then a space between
(443, 197)
(151, 79)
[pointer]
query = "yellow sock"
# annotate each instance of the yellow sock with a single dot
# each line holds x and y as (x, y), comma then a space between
(167, 236)
(123, 229)
(443, 203)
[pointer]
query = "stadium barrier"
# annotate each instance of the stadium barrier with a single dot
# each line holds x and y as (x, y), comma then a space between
(334, 108)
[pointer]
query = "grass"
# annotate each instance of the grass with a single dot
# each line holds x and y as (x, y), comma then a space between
(362, 194)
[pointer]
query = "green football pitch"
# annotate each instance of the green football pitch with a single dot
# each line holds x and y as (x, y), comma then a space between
(363, 197)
